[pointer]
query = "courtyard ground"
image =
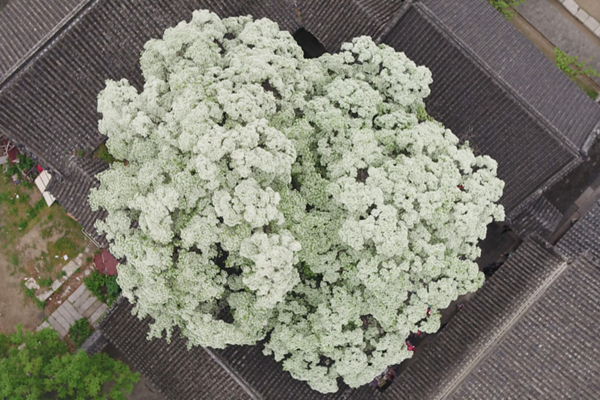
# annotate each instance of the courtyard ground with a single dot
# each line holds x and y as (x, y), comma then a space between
(35, 241)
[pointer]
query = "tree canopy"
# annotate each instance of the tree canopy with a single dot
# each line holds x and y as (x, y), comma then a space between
(38, 365)
(308, 202)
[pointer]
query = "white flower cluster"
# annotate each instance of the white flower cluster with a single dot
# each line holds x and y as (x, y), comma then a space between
(260, 192)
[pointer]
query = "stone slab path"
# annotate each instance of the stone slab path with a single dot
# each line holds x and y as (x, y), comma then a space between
(68, 270)
(81, 304)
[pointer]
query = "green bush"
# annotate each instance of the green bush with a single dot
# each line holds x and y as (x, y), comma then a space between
(80, 331)
(104, 287)
(112, 288)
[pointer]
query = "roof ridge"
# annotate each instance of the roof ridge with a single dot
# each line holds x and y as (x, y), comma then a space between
(499, 334)
(394, 20)
(46, 41)
(445, 30)
(234, 375)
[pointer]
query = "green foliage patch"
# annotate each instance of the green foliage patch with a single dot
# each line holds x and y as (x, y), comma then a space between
(103, 286)
(36, 365)
(571, 66)
(80, 331)
(103, 154)
(506, 7)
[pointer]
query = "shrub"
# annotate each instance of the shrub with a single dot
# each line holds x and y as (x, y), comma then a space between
(14, 259)
(46, 282)
(80, 331)
(571, 66)
(506, 7)
(103, 286)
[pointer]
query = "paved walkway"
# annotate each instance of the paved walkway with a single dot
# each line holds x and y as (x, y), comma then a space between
(81, 304)
(563, 30)
(592, 7)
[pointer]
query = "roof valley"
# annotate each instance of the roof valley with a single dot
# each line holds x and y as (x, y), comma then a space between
(500, 333)
(395, 20)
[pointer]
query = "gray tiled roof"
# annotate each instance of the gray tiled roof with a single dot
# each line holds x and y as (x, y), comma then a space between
(519, 63)
(554, 349)
(179, 372)
(470, 98)
(72, 189)
(25, 23)
(464, 341)
(540, 217)
(584, 236)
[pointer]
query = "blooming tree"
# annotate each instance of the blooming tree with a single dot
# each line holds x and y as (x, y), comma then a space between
(260, 193)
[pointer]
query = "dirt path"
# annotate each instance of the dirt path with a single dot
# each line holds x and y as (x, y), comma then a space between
(14, 307)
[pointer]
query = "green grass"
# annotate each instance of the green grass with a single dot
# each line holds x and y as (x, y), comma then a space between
(506, 7)
(46, 282)
(14, 259)
(30, 293)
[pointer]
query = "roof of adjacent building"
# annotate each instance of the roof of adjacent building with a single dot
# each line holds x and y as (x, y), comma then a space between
(494, 88)
(552, 351)
(584, 236)
(26, 23)
(539, 217)
(178, 373)
(525, 334)
(194, 371)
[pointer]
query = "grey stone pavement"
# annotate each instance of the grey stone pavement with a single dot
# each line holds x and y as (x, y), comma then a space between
(564, 30)
(81, 304)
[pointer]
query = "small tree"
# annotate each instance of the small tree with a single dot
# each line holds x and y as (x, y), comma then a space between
(35, 365)
(311, 200)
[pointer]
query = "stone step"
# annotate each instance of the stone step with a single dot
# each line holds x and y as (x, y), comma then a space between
(43, 325)
(57, 326)
(44, 296)
(92, 309)
(87, 304)
(98, 313)
(82, 299)
(66, 315)
(77, 293)
(69, 307)
(71, 267)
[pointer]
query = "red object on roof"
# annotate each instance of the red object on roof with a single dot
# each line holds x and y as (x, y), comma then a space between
(12, 152)
(106, 263)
